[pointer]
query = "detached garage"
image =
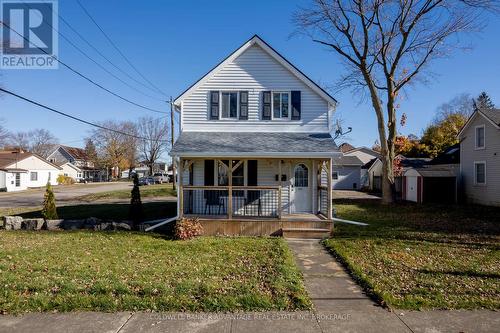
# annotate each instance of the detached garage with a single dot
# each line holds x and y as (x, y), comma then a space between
(346, 173)
(430, 185)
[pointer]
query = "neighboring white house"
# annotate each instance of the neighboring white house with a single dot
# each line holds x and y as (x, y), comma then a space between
(85, 169)
(253, 143)
(346, 174)
(480, 157)
(20, 170)
(71, 170)
(363, 153)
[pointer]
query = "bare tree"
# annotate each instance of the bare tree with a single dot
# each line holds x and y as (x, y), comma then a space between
(115, 150)
(155, 140)
(385, 45)
(4, 134)
(41, 142)
(19, 140)
(462, 104)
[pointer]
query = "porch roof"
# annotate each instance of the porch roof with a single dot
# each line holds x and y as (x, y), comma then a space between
(254, 144)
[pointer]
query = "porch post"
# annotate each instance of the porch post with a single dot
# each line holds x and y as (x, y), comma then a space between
(180, 187)
(329, 196)
(230, 192)
(280, 208)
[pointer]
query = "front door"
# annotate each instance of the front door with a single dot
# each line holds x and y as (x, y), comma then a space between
(301, 189)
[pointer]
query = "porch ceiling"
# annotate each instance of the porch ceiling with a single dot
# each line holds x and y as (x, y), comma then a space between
(256, 144)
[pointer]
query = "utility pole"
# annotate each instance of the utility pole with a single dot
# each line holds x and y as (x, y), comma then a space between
(172, 140)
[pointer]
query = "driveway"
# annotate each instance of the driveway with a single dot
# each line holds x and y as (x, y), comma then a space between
(65, 194)
(351, 194)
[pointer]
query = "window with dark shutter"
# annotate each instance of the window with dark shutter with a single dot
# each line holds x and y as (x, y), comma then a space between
(252, 173)
(266, 105)
(214, 105)
(243, 105)
(296, 105)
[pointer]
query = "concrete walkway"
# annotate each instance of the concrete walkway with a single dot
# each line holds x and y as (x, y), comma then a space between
(340, 306)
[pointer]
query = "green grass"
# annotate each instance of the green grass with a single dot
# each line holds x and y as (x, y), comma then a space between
(118, 271)
(151, 211)
(156, 190)
(422, 257)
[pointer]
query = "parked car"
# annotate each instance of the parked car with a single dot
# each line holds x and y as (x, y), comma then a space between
(146, 181)
(160, 178)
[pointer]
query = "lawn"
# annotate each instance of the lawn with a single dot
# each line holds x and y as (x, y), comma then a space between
(117, 271)
(157, 190)
(422, 257)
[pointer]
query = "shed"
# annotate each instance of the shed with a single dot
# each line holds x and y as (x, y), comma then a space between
(430, 185)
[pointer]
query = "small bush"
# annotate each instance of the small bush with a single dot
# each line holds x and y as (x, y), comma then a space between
(187, 229)
(49, 211)
(135, 213)
(65, 180)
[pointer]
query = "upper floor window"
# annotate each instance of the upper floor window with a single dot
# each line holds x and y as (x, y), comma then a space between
(480, 137)
(479, 173)
(229, 105)
(281, 105)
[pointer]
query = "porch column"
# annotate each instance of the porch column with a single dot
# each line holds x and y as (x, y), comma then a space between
(230, 191)
(280, 205)
(180, 188)
(329, 195)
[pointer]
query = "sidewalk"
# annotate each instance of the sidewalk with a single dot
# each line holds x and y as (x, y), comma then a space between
(340, 306)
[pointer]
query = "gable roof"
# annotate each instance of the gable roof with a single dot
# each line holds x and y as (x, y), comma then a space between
(256, 40)
(347, 160)
(75, 152)
(364, 149)
(8, 158)
(246, 144)
(492, 115)
(450, 155)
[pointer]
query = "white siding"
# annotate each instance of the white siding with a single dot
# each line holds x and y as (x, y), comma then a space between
(255, 71)
(488, 194)
(44, 170)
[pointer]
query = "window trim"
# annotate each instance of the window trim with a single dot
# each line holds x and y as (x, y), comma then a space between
(476, 147)
(237, 105)
(245, 171)
(289, 93)
(475, 173)
(33, 173)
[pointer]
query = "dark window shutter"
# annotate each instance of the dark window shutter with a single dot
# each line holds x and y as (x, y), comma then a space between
(214, 105)
(243, 105)
(252, 173)
(209, 173)
(266, 105)
(296, 105)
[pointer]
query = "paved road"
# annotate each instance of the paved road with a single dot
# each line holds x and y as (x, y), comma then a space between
(64, 193)
(339, 306)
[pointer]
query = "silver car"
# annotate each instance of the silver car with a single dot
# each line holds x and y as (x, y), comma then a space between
(160, 178)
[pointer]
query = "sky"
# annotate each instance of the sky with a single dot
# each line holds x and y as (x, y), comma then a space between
(174, 43)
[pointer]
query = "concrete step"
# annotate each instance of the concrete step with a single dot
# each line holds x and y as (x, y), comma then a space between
(306, 233)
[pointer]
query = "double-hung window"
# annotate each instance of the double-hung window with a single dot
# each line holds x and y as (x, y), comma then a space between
(480, 173)
(480, 137)
(33, 176)
(281, 105)
(229, 105)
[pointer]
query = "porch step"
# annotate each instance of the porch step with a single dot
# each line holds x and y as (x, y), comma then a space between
(306, 233)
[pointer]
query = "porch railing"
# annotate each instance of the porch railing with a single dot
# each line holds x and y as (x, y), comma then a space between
(238, 201)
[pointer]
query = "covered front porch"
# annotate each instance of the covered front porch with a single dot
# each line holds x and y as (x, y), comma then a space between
(256, 196)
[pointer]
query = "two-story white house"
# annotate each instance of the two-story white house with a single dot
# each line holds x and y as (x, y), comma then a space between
(255, 147)
(76, 164)
(480, 157)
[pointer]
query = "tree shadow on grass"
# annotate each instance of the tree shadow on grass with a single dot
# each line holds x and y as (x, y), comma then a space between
(115, 211)
(468, 273)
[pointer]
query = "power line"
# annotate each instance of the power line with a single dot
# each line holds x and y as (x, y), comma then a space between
(83, 76)
(117, 49)
(101, 54)
(94, 61)
(73, 117)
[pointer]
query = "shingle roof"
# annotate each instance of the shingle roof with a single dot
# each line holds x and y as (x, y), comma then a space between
(492, 114)
(345, 147)
(253, 142)
(451, 155)
(76, 153)
(9, 157)
(347, 160)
